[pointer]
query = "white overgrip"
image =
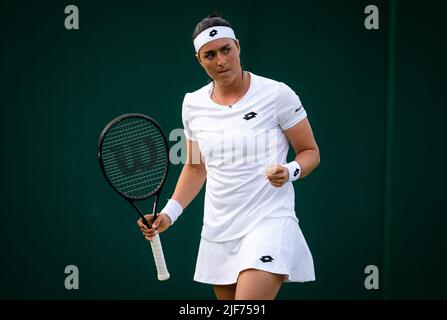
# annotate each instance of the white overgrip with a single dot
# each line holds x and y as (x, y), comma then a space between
(159, 258)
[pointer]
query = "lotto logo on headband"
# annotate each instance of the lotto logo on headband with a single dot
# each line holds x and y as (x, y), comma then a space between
(213, 33)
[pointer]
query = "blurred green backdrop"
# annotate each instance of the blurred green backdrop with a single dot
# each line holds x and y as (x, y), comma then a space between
(374, 98)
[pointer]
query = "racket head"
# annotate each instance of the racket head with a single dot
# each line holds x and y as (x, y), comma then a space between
(133, 153)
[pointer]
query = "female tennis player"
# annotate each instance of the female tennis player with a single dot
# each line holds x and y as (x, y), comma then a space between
(238, 130)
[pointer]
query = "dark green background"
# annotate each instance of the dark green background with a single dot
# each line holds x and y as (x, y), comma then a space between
(375, 99)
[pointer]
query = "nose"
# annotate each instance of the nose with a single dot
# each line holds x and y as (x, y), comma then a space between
(221, 60)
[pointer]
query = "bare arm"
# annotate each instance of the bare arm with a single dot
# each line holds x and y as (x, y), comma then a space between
(191, 178)
(189, 184)
(306, 149)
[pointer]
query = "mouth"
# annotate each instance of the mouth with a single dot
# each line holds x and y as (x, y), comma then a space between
(223, 71)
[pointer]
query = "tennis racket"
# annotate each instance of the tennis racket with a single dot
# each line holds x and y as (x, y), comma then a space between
(134, 157)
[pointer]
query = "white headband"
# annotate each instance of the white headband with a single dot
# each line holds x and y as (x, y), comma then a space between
(211, 34)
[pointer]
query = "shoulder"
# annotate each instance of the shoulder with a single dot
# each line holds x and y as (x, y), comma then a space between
(198, 96)
(279, 88)
(264, 83)
(194, 101)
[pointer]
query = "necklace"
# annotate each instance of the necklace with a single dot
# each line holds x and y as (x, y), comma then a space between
(240, 93)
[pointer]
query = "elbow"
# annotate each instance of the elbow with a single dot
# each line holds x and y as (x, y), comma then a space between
(198, 168)
(317, 157)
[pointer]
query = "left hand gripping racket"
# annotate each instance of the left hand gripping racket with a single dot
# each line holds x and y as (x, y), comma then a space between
(134, 157)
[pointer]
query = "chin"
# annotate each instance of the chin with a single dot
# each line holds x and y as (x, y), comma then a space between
(226, 78)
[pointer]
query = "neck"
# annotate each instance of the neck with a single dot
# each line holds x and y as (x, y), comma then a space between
(232, 89)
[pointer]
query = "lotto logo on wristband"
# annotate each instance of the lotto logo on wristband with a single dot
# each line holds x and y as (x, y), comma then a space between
(294, 169)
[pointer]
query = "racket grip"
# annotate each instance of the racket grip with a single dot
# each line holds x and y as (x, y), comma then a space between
(159, 258)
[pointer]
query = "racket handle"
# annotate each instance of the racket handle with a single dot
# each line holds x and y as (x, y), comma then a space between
(159, 258)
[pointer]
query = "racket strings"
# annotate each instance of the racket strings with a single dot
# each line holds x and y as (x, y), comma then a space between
(138, 183)
(141, 151)
(119, 137)
(116, 175)
(135, 157)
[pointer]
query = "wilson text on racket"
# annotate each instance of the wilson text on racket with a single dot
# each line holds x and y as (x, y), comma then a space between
(226, 310)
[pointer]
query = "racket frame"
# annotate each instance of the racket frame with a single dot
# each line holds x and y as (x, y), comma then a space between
(155, 243)
(156, 191)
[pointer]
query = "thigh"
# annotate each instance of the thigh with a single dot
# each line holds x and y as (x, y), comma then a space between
(254, 284)
(225, 292)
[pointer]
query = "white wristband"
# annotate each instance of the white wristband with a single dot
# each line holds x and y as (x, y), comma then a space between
(294, 169)
(173, 209)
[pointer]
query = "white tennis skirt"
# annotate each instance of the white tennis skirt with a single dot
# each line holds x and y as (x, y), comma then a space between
(276, 245)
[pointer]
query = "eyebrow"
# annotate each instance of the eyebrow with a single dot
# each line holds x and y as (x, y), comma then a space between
(224, 47)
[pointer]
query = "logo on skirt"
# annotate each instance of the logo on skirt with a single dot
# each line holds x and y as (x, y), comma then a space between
(266, 259)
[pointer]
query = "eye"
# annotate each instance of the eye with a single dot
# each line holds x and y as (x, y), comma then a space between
(226, 50)
(209, 56)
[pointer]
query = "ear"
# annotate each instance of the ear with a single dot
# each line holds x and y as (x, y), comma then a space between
(198, 59)
(238, 45)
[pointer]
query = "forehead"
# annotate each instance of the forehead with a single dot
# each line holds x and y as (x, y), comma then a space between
(216, 44)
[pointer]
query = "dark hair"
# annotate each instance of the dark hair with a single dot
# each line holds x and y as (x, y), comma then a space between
(213, 20)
